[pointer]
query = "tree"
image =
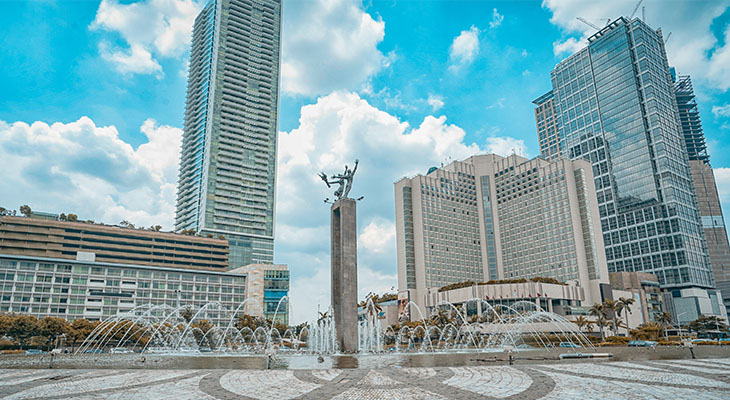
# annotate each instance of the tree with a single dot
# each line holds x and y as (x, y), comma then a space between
(23, 327)
(707, 323)
(598, 310)
(581, 322)
(609, 307)
(126, 224)
(51, 327)
(251, 322)
(625, 307)
(155, 228)
(72, 218)
(665, 320)
(79, 331)
(187, 314)
(25, 210)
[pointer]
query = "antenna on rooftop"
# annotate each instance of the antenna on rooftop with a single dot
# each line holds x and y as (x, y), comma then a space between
(667, 38)
(643, 14)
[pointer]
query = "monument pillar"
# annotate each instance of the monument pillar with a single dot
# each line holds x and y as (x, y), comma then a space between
(344, 273)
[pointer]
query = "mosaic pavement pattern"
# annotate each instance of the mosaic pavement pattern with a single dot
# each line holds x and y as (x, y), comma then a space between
(672, 379)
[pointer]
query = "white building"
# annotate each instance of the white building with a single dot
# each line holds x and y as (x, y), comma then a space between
(491, 217)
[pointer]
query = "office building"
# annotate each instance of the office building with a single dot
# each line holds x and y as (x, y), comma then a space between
(226, 183)
(490, 217)
(547, 127)
(83, 270)
(615, 106)
(111, 244)
(703, 178)
(267, 285)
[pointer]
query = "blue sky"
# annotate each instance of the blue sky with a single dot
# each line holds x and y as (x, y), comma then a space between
(93, 98)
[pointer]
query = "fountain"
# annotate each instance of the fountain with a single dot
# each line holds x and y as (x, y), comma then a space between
(163, 329)
(447, 328)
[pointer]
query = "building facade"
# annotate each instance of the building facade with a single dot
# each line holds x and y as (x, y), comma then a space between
(644, 289)
(226, 184)
(615, 106)
(547, 127)
(703, 179)
(74, 289)
(268, 286)
(490, 217)
(112, 244)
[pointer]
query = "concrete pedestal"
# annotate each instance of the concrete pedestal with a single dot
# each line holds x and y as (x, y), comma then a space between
(344, 273)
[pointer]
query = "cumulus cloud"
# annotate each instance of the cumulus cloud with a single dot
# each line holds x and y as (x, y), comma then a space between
(505, 146)
(88, 170)
(329, 45)
(464, 48)
(721, 111)
(150, 28)
(436, 102)
(334, 131)
(693, 48)
(497, 19)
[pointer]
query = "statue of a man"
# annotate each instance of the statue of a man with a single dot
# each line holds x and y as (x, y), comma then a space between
(344, 180)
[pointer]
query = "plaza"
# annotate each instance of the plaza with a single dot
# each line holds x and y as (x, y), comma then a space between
(681, 379)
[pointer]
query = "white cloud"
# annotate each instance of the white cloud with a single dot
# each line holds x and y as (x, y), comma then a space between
(329, 45)
(722, 179)
(151, 28)
(505, 146)
(693, 48)
(88, 170)
(137, 60)
(497, 19)
(569, 46)
(721, 111)
(464, 48)
(436, 102)
(378, 236)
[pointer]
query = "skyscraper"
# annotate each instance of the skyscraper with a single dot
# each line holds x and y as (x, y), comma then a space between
(615, 106)
(705, 186)
(227, 175)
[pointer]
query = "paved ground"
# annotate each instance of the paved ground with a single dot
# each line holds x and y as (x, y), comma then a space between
(675, 379)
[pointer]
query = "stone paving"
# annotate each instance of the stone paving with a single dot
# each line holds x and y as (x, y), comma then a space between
(670, 379)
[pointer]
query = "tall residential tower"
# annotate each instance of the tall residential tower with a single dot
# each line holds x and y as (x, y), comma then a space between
(227, 175)
(615, 107)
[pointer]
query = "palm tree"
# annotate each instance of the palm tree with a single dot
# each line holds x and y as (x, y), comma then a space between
(665, 319)
(610, 311)
(598, 311)
(581, 322)
(626, 307)
(589, 326)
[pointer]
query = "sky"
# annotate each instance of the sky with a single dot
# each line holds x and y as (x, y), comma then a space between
(92, 100)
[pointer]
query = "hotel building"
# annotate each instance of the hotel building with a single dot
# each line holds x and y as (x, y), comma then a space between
(490, 218)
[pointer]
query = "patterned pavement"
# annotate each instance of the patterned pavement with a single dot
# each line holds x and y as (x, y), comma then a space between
(671, 379)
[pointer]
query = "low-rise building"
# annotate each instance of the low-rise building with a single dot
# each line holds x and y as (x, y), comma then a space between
(44, 237)
(644, 288)
(268, 286)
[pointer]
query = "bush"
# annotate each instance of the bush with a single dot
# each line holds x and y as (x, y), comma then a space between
(668, 343)
(610, 344)
(618, 339)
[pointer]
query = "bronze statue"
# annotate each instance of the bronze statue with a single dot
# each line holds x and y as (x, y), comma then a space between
(344, 180)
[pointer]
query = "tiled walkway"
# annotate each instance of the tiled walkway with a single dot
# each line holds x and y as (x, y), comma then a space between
(676, 379)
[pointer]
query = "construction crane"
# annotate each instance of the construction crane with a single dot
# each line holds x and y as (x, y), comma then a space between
(588, 23)
(635, 9)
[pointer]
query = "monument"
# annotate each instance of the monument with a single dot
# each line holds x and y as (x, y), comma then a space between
(344, 260)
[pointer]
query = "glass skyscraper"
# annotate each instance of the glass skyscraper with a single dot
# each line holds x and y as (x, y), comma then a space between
(227, 174)
(615, 106)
